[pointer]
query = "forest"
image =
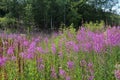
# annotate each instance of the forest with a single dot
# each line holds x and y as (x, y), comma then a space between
(54, 14)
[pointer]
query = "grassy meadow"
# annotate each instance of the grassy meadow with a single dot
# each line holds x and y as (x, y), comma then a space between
(66, 55)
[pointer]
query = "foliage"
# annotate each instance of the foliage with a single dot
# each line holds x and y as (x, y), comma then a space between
(4, 22)
(95, 26)
(28, 15)
(51, 13)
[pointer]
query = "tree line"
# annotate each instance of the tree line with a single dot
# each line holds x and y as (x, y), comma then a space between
(51, 14)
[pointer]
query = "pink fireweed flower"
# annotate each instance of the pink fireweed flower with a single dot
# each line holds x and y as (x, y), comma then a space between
(26, 43)
(23, 54)
(70, 64)
(30, 56)
(53, 48)
(68, 45)
(40, 60)
(19, 38)
(90, 68)
(31, 50)
(98, 42)
(91, 78)
(71, 45)
(41, 66)
(26, 55)
(40, 50)
(46, 40)
(90, 65)
(37, 39)
(87, 47)
(112, 37)
(60, 54)
(76, 48)
(3, 61)
(46, 50)
(83, 63)
(55, 34)
(53, 73)
(33, 45)
(10, 50)
(67, 78)
(81, 35)
(13, 58)
(62, 72)
(117, 74)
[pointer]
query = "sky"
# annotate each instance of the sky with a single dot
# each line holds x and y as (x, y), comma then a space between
(118, 10)
(117, 7)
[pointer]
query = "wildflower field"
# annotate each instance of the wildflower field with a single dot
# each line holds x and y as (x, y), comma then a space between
(66, 55)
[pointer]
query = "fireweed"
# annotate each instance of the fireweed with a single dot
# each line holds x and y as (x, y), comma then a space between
(3, 61)
(68, 55)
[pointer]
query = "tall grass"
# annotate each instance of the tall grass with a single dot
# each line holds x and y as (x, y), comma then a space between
(67, 55)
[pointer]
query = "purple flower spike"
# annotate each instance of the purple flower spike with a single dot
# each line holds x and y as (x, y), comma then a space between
(76, 48)
(90, 65)
(83, 63)
(53, 73)
(62, 72)
(67, 78)
(10, 50)
(3, 61)
(91, 78)
(70, 64)
(41, 66)
(60, 54)
(39, 49)
(117, 74)
(40, 60)
(23, 54)
(53, 48)
(13, 58)
(25, 43)
(30, 56)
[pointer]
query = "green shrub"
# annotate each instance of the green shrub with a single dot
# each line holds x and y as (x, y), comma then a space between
(95, 26)
(5, 22)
